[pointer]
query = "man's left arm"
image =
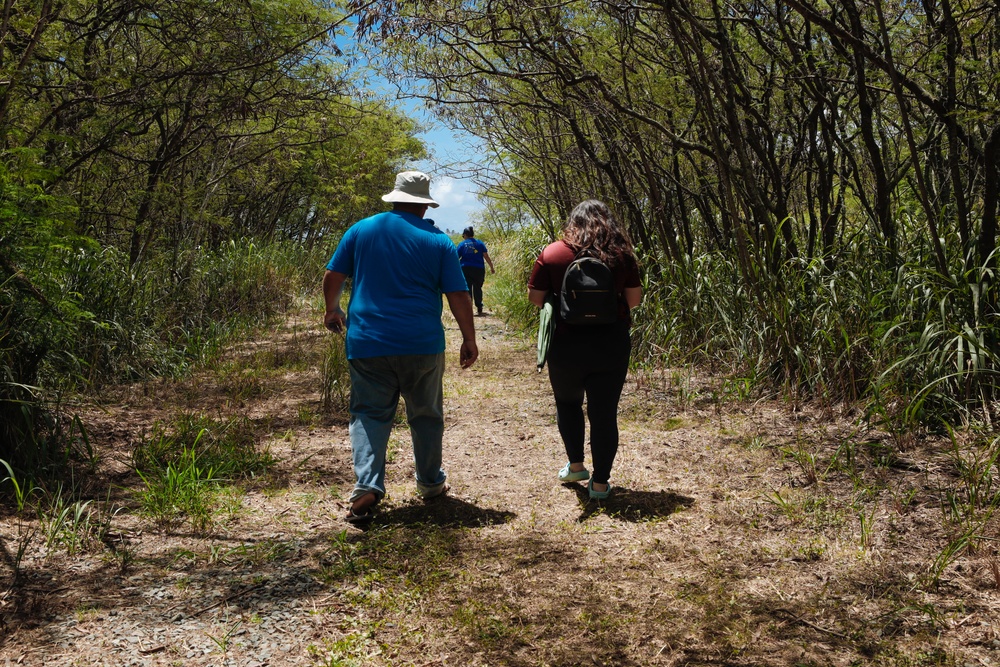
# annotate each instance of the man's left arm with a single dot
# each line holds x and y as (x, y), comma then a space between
(460, 304)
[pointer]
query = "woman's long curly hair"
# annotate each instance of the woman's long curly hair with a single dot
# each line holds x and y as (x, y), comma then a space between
(591, 226)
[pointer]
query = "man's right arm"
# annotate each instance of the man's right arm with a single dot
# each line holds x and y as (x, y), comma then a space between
(333, 288)
(537, 296)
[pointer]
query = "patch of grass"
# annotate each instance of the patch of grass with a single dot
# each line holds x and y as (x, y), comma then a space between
(812, 551)
(605, 625)
(824, 511)
(229, 501)
(25, 530)
(805, 459)
(681, 386)
(71, 524)
(189, 469)
(86, 612)
(514, 255)
(785, 501)
(866, 519)
(672, 423)
(967, 541)
(740, 634)
(491, 624)
(345, 558)
(738, 389)
(225, 638)
(392, 447)
(66, 524)
(975, 464)
(903, 498)
(184, 489)
(933, 657)
(336, 377)
(227, 447)
(288, 357)
(241, 384)
(266, 551)
(410, 559)
(754, 442)
(352, 650)
(306, 416)
(844, 459)
(306, 500)
(122, 554)
(817, 512)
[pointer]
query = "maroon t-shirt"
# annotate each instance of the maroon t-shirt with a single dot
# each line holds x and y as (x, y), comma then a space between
(550, 267)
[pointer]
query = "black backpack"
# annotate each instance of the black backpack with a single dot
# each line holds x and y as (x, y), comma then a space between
(588, 293)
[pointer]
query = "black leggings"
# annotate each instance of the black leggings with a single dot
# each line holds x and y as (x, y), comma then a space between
(591, 363)
(475, 276)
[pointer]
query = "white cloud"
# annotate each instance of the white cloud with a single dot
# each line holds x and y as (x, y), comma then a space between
(448, 191)
(457, 203)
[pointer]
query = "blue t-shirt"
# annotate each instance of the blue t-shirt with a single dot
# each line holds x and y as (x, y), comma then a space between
(399, 265)
(470, 253)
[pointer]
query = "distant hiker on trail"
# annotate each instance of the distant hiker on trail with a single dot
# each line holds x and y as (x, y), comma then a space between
(474, 257)
(399, 265)
(593, 276)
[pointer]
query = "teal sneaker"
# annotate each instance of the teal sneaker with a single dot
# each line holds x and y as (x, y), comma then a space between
(598, 495)
(567, 475)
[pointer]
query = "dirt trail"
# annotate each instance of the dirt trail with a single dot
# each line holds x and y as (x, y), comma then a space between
(718, 545)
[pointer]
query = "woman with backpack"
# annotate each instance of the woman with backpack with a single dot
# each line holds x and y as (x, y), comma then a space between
(590, 347)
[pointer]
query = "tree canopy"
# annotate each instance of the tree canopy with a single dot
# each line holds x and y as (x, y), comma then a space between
(147, 147)
(806, 145)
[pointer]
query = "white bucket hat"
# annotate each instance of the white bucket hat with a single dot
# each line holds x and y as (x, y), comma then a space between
(412, 187)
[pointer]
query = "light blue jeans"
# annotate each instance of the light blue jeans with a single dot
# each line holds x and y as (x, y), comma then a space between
(376, 385)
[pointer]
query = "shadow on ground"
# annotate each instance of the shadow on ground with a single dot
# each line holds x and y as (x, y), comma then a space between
(631, 505)
(446, 512)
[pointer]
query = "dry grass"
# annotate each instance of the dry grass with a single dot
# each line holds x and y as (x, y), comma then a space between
(739, 534)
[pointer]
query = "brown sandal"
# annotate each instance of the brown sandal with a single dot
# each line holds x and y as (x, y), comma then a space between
(362, 519)
(364, 515)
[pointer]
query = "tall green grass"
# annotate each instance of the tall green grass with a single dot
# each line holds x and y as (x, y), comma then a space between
(184, 465)
(513, 254)
(915, 346)
(178, 309)
(336, 377)
(911, 343)
(228, 447)
(82, 318)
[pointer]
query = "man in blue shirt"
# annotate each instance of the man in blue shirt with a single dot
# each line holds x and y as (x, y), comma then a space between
(399, 266)
(473, 256)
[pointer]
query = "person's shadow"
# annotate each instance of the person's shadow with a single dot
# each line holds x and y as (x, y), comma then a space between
(445, 511)
(631, 505)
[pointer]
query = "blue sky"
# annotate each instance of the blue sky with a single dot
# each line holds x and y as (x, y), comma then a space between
(450, 151)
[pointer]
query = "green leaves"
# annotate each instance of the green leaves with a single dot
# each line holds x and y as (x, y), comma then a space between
(164, 175)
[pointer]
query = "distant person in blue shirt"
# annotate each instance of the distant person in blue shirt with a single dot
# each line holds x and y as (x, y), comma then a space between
(399, 265)
(472, 253)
